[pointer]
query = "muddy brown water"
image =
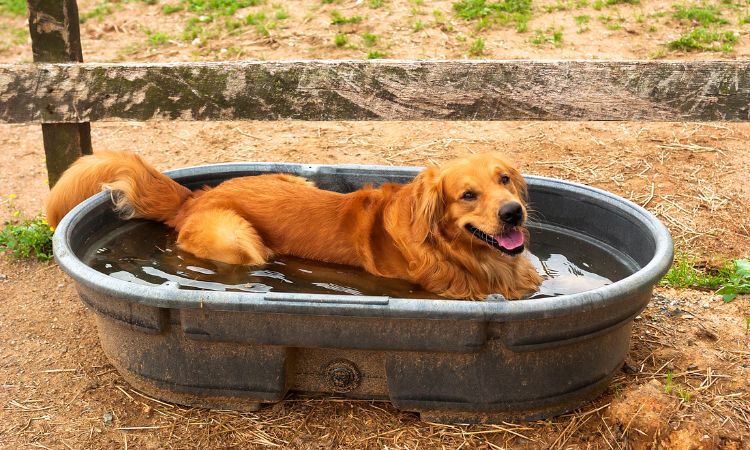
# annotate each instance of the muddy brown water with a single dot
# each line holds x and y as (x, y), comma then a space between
(145, 252)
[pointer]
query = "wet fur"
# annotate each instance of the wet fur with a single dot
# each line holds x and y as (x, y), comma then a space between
(412, 231)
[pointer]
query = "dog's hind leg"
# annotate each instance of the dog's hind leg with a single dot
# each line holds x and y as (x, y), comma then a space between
(222, 235)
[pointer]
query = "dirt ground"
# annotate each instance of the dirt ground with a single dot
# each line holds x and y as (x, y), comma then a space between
(57, 389)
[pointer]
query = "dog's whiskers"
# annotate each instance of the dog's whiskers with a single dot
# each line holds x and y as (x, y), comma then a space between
(534, 215)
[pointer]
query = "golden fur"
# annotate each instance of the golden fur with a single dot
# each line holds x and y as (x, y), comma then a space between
(415, 231)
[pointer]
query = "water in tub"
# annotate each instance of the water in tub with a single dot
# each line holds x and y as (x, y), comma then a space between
(145, 252)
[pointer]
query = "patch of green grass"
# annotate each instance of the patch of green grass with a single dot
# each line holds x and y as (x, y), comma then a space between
(263, 29)
(375, 54)
(659, 53)
(13, 7)
(157, 38)
(261, 23)
(440, 21)
(684, 273)
(233, 52)
(219, 7)
(475, 9)
(340, 40)
(339, 19)
(483, 22)
(685, 394)
(599, 4)
(171, 9)
(552, 35)
(703, 39)
(369, 39)
(703, 14)
(477, 47)
(668, 385)
(617, 388)
(256, 18)
(502, 11)
(97, 12)
(27, 239)
(747, 324)
(730, 280)
(744, 20)
(417, 26)
(192, 30)
(612, 23)
(738, 281)
(196, 28)
(281, 14)
(233, 24)
(559, 6)
(416, 9)
(374, 4)
(582, 21)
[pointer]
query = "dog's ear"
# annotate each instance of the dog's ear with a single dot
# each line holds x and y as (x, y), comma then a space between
(428, 203)
(519, 183)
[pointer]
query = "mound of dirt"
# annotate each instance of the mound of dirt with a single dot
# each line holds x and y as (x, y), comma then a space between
(692, 437)
(643, 414)
(647, 419)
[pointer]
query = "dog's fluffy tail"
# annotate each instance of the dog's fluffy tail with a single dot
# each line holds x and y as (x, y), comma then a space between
(137, 189)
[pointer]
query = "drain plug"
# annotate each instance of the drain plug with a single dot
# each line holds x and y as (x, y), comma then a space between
(342, 376)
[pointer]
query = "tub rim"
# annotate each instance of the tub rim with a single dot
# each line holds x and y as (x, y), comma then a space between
(366, 306)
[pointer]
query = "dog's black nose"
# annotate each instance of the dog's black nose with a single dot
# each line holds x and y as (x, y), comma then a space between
(511, 213)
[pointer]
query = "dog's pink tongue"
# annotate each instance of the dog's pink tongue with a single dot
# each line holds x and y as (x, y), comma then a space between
(510, 240)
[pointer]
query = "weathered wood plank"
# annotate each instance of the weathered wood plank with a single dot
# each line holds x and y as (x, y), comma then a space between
(378, 90)
(55, 37)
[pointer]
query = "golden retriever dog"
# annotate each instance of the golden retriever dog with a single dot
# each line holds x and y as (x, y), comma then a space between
(457, 230)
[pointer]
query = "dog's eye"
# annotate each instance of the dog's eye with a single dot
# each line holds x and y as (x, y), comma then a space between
(469, 195)
(505, 179)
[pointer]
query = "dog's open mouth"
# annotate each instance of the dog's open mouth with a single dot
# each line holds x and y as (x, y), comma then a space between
(510, 242)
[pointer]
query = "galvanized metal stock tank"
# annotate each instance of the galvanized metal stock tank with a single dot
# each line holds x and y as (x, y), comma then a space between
(453, 361)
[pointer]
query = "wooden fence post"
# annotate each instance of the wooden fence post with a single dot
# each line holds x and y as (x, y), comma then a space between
(56, 38)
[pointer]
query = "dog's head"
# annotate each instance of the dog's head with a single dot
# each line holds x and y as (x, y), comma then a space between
(476, 200)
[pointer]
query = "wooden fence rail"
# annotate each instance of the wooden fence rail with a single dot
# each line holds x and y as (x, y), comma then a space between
(377, 90)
